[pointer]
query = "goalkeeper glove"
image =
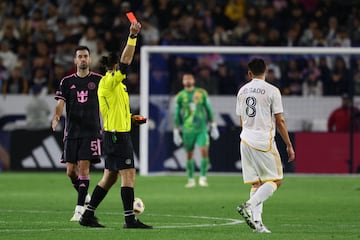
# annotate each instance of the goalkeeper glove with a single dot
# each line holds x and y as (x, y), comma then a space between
(177, 137)
(214, 131)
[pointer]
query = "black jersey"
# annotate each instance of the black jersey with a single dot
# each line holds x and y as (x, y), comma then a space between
(82, 107)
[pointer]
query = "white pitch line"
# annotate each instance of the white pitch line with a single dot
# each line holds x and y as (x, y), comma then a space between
(230, 221)
(54, 229)
(227, 221)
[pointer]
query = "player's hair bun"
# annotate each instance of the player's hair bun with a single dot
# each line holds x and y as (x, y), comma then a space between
(110, 60)
(104, 61)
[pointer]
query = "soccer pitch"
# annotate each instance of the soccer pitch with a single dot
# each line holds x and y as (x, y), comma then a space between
(39, 206)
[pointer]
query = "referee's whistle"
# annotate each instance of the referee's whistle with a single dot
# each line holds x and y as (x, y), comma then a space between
(113, 137)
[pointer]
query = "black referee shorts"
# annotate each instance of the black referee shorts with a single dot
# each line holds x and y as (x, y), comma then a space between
(118, 151)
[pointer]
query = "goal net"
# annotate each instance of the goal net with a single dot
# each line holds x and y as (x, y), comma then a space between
(306, 109)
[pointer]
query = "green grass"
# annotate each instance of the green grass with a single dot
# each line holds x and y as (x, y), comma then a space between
(39, 206)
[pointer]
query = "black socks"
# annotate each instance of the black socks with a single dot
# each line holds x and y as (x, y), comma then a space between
(97, 196)
(127, 196)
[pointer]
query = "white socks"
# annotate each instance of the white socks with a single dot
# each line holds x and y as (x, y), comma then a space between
(257, 210)
(79, 209)
(261, 195)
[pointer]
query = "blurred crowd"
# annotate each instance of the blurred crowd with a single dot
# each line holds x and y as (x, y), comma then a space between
(37, 39)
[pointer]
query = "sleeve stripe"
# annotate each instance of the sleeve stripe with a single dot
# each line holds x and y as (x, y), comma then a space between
(66, 77)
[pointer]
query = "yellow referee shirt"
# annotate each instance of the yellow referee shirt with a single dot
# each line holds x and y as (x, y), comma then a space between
(114, 102)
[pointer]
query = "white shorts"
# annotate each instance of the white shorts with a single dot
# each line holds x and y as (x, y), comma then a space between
(259, 166)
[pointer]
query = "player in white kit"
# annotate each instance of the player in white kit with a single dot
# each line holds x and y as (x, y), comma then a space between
(260, 109)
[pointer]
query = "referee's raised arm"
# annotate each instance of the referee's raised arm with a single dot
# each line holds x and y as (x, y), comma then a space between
(129, 50)
(118, 152)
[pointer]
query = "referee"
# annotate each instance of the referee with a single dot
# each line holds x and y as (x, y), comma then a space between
(117, 146)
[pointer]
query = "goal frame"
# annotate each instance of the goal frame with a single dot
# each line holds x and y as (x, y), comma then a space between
(146, 51)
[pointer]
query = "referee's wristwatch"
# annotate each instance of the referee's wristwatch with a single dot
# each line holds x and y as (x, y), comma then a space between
(133, 36)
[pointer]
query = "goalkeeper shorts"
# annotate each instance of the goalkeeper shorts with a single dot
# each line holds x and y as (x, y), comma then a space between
(200, 138)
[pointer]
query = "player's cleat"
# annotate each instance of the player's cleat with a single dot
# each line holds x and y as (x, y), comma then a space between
(203, 182)
(137, 224)
(77, 213)
(260, 228)
(90, 221)
(245, 212)
(87, 199)
(191, 183)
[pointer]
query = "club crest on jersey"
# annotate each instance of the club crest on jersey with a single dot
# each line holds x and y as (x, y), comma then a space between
(91, 85)
(197, 96)
(82, 96)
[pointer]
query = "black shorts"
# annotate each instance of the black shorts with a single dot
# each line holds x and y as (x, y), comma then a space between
(87, 148)
(118, 151)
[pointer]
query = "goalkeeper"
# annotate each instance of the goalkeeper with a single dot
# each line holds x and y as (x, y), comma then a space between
(192, 114)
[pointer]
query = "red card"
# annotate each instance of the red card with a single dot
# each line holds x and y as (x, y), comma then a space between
(131, 17)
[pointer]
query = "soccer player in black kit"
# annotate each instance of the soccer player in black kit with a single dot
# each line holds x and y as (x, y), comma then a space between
(78, 93)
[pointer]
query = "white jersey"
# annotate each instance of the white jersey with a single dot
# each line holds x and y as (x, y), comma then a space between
(257, 102)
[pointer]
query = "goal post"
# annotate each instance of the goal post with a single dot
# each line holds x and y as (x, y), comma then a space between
(146, 52)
